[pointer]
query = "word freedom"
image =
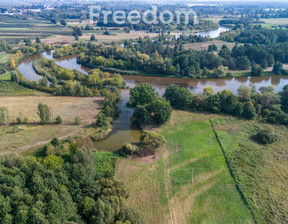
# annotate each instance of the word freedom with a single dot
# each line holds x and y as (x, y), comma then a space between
(149, 16)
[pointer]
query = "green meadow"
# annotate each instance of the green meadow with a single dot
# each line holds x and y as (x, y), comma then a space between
(168, 193)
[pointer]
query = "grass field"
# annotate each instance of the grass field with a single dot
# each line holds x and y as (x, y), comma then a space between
(260, 170)
(281, 23)
(5, 58)
(24, 136)
(161, 187)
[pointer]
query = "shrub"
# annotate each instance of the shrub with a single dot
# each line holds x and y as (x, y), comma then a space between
(266, 136)
(18, 120)
(59, 120)
(26, 120)
(78, 120)
(128, 149)
(152, 140)
(102, 120)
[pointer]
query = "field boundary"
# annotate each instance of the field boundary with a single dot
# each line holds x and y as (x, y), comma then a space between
(231, 171)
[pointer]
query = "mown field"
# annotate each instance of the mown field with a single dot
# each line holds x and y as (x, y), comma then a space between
(18, 137)
(160, 187)
(260, 170)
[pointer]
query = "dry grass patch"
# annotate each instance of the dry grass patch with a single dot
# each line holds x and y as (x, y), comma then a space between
(204, 45)
(31, 135)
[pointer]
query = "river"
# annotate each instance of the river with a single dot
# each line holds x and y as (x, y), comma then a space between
(122, 130)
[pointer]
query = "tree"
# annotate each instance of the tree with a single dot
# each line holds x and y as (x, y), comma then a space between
(277, 68)
(14, 77)
(4, 115)
(53, 20)
(242, 63)
(53, 161)
(284, 99)
(54, 82)
(142, 94)
(256, 70)
(161, 110)
(63, 22)
(249, 111)
(38, 41)
(43, 82)
(141, 115)
(102, 120)
(152, 140)
(131, 215)
(244, 92)
(76, 31)
(76, 37)
(59, 120)
(212, 47)
(93, 38)
(44, 113)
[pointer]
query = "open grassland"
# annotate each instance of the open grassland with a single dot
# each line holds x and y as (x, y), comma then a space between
(260, 170)
(161, 187)
(25, 136)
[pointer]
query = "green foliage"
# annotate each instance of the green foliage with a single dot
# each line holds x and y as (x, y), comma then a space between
(128, 149)
(63, 22)
(142, 94)
(266, 136)
(161, 110)
(13, 89)
(141, 115)
(152, 140)
(4, 115)
(180, 98)
(59, 120)
(131, 215)
(74, 187)
(4, 46)
(102, 120)
(256, 70)
(93, 38)
(44, 113)
(78, 120)
(76, 31)
(148, 105)
(277, 68)
(53, 162)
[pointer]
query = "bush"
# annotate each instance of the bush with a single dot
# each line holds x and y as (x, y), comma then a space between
(102, 120)
(266, 137)
(26, 120)
(59, 120)
(128, 149)
(78, 120)
(152, 140)
(18, 120)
